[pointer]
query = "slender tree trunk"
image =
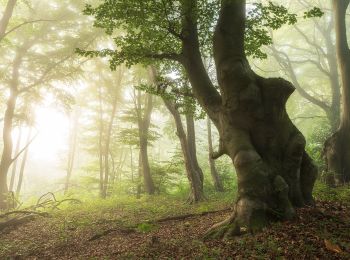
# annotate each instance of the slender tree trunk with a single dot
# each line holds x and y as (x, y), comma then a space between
(6, 17)
(191, 139)
(23, 164)
(214, 173)
(131, 164)
(72, 150)
(7, 150)
(107, 147)
(121, 164)
(193, 175)
(334, 113)
(144, 123)
(337, 147)
(274, 173)
(138, 187)
(113, 172)
(14, 165)
(100, 143)
(6, 158)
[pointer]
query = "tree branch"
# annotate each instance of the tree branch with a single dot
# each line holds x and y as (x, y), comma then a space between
(22, 24)
(6, 17)
(286, 63)
(24, 148)
(221, 151)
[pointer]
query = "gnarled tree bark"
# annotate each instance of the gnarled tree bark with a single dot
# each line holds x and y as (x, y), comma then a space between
(274, 172)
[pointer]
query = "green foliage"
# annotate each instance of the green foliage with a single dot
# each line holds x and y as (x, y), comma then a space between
(148, 30)
(176, 90)
(324, 192)
(145, 227)
(316, 142)
(129, 135)
(260, 19)
(166, 174)
(263, 18)
(314, 12)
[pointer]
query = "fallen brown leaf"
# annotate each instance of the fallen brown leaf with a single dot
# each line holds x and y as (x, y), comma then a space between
(332, 247)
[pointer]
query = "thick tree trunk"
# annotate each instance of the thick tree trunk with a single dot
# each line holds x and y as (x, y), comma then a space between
(274, 173)
(23, 164)
(14, 165)
(337, 147)
(194, 176)
(213, 171)
(144, 123)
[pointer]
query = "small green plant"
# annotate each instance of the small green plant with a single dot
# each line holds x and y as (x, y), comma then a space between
(145, 227)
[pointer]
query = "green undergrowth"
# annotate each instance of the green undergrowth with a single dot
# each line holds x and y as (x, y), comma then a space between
(131, 210)
(94, 216)
(339, 194)
(76, 224)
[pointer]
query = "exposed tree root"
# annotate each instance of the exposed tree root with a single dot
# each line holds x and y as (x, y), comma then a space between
(181, 217)
(225, 229)
(23, 216)
(43, 214)
(12, 223)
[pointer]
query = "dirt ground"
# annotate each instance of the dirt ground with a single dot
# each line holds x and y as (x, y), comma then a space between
(318, 233)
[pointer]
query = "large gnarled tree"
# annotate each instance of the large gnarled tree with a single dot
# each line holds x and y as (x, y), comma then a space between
(274, 173)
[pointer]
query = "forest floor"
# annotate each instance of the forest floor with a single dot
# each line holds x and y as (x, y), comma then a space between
(166, 228)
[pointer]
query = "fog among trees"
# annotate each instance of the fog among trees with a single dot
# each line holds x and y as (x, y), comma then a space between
(182, 129)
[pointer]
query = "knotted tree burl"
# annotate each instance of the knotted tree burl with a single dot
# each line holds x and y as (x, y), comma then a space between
(275, 175)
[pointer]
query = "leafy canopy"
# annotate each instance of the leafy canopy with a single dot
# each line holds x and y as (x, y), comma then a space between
(147, 30)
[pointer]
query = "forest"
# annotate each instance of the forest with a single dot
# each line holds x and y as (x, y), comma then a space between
(175, 129)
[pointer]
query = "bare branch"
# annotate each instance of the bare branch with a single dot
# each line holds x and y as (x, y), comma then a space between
(287, 64)
(24, 148)
(22, 24)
